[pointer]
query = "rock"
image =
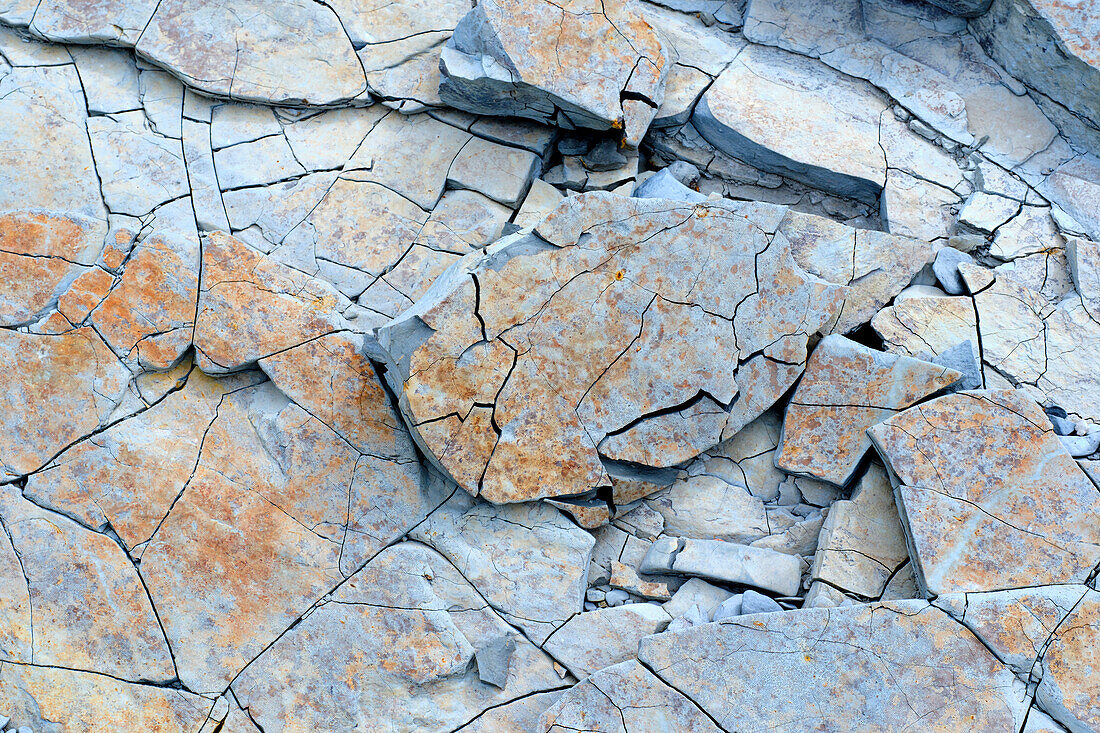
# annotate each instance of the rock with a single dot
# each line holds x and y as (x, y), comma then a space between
(696, 592)
(1081, 446)
(75, 366)
(605, 156)
(588, 396)
(1084, 266)
(761, 671)
(598, 67)
(986, 212)
(664, 185)
(846, 389)
(1048, 46)
(963, 360)
(616, 597)
(753, 602)
(642, 521)
(1069, 689)
(624, 697)
(590, 641)
(728, 608)
(833, 143)
(694, 616)
(518, 716)
(862, 544)
(243, 293)
(528, 561)
(991, 462)
(709, 507)
(946, 268)
(653, 587)
(493, 658)
(500, 172)
(69, 699)
(87, 607)
(725, 562)
(965, 8)
(240, 51)
(919, 324)
(141, 169)
(395, 643)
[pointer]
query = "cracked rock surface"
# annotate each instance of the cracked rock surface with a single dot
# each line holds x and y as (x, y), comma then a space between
(642, 366)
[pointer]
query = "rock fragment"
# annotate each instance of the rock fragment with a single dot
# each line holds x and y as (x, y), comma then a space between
(725, 562)
(592, 640)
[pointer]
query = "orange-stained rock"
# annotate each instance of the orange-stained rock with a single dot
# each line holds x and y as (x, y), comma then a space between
(394, 647)
(882, 668)
(279, 510)
(251, 306)
(988, 495)
(846, 389)
(88, 607)
(54, 390)
(152, 309)
(922, 324)
(128, 475)
(1070, 689)
(613, 313)
(43, 697)
(40, 254)
(594, 64)
(86, 292)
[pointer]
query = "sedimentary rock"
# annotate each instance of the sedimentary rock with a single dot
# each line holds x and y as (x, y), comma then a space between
(586, 64)
(489, 390)
(1020, 508)
(590, 641)
(726, 562)
(846, 389)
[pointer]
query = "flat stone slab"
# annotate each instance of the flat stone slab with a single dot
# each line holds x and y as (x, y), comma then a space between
(874, 667)
(789, 115)
(582, 64)
(1018, 509)
(726, 562)
(635, 318)
(846, 389)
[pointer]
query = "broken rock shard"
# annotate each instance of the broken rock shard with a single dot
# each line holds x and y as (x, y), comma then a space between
(522, 363)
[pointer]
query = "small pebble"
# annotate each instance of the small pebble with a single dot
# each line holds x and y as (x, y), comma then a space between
(753, 602)
(595, 595)
(616, 597)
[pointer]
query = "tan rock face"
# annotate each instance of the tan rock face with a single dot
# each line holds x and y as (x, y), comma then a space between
(41, 697)
(768, 669)
(244, 295)
(991, 464)
(88, 607)
(1070, 690)
(75, 369)
(846, 389)
(512, 389)
(923, 324)
(396, 643)
(584, 61)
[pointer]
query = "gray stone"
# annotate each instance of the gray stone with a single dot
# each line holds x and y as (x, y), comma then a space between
(664, 185)
(493, 658)
(963, 360)
(596, 639)
(605, 156)
(753, 602)
(1080, 446)
(946, 268)
(726, 562)
(696, 592)
(616, 597)
(966, 8)
(728, 608)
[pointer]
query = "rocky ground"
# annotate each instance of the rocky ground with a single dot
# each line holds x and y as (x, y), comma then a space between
(636, 366)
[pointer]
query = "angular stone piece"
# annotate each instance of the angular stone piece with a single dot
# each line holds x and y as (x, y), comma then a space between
(846, 389)
(394, 646)
(862, 544)
(726, 562)
(239, 49)
(251, 307)
(1018, 510)
(709, 507)
(831, 142)
(596, 639)
(42, 371)
(140, 169)
(1070, 688)
(114, 22)
(875, 667)
(926, 323)
(624, 698)
(527, 560)
(584, 64)
(628, 307)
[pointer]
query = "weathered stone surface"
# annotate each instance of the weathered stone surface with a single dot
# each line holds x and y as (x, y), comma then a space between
(88, 609)
(555, 381)
(140, 169)
(708, 507)
(1051, 46)
(113, 21)
(278, 511)
(846, 389)
(75, 368)
(592, 640)
(527, 560)
(46, 698)
(830, 143)
(238, 48)
(762, 671)
(586, 64)
(392, 646)
(926, 324)
(726, 562)
(1020, 509)
(862, 544)
(251, 307)
(624, 698)
(1070, 688)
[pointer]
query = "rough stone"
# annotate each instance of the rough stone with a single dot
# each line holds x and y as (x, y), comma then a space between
(1019, 507)
(846, 389)
(725, 562)
(926, 324)
(593, 640)
(946, 268)
(475, 341)
(709, 507)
